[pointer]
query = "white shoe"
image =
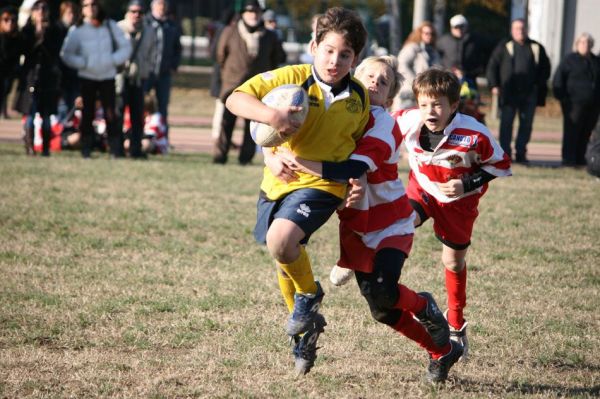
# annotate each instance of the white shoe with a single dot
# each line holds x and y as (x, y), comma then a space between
(340, 275)
(460, 336)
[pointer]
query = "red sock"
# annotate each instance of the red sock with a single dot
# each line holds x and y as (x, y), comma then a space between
(409, 300)
(456, 287)
(413, 330)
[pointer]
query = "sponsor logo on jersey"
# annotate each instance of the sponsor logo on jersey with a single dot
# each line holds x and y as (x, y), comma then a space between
(352, 106)
(313, 101)
(454, 159)
(267, 75)
(461, 140)
(303, 210)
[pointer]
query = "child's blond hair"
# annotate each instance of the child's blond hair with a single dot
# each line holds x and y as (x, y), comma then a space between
(396, 79)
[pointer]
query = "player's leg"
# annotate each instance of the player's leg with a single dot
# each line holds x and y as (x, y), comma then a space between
(456, 283)
(382, 293)
(283, 242)
(453, 226)
(456, 289)
(299, 214)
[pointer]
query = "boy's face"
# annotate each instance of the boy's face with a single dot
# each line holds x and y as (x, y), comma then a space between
(435, 111)
(333, 58)
(377, 78)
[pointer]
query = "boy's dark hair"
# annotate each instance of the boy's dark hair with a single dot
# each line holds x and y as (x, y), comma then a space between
(345, 22)
(11, 10)
(101, 12)
(437, 83)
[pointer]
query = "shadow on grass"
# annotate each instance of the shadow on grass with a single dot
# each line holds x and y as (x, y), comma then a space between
(526, 388)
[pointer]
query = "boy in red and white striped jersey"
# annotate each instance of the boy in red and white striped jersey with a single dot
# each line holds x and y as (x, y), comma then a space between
(452, 159)
(376, 232)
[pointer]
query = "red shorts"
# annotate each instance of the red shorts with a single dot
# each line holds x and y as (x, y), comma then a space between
(355, 255)
(452, 221)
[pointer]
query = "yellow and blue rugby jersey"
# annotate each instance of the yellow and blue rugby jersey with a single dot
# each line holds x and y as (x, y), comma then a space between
(327, 134)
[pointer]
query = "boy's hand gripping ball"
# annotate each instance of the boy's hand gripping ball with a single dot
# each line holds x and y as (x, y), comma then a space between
(280, 97)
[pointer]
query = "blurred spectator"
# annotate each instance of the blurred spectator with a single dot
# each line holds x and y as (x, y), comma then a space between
(417, 55)
(96, 48)
(244, 50)
(39, 79)
(306, 57)
(577, 86)
(270, 22)
(227, 18)
(155, 129)
(11, 48)
(71, 127)
(463, 49)
(130, 81)
(69, 15)
(168, 55)
(470, 100)
(71, 135)
(517, 73)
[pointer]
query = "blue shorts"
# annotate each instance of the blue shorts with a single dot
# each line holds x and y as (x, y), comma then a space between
(308, 208)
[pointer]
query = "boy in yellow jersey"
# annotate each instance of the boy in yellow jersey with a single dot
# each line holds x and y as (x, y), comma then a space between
(293, 206)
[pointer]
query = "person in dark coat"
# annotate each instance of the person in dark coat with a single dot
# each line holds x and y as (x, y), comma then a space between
(576, 85)
(244, 50)
(39, 81)
(11, 48)
(517, 73)
(168, 54)
(69, 15)
(463, 49)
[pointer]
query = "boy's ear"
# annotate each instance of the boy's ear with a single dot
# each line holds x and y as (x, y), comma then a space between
(313, 47)
(388, 103)
(454, 106)
(355, 61)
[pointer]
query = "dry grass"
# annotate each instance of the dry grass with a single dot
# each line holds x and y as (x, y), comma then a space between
(141, 279)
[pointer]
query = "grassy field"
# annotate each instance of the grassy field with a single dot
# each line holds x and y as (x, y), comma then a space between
(141, 279)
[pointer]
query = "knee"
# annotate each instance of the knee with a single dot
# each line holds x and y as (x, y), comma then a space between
(281, 249)
(386, 316)
(453, 264)
(381, 295)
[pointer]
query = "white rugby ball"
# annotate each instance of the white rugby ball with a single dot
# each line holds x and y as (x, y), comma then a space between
(280, 97)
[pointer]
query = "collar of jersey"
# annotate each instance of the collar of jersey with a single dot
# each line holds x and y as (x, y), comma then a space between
(326, 89)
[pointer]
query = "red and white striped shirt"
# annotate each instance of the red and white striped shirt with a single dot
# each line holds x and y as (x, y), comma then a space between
(384, 209)
(466, 147)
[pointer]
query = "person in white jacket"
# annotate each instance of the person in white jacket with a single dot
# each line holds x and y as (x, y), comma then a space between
(96, 48)
(417, 55)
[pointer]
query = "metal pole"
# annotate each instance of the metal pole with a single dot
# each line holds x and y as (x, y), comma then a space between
(395, 26)
(419, 13)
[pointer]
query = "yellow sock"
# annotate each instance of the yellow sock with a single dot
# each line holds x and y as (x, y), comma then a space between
(286, 286)
(301, 273)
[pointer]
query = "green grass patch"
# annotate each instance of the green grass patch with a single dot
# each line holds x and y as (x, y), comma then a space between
(142, 279)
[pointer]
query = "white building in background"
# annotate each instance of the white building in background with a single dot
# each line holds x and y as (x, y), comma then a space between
(556, 23)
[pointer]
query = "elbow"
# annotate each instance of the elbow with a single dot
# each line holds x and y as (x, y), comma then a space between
(230, 102)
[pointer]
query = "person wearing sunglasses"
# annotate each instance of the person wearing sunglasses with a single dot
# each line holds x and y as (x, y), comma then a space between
(97, 47)
(39, 79)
